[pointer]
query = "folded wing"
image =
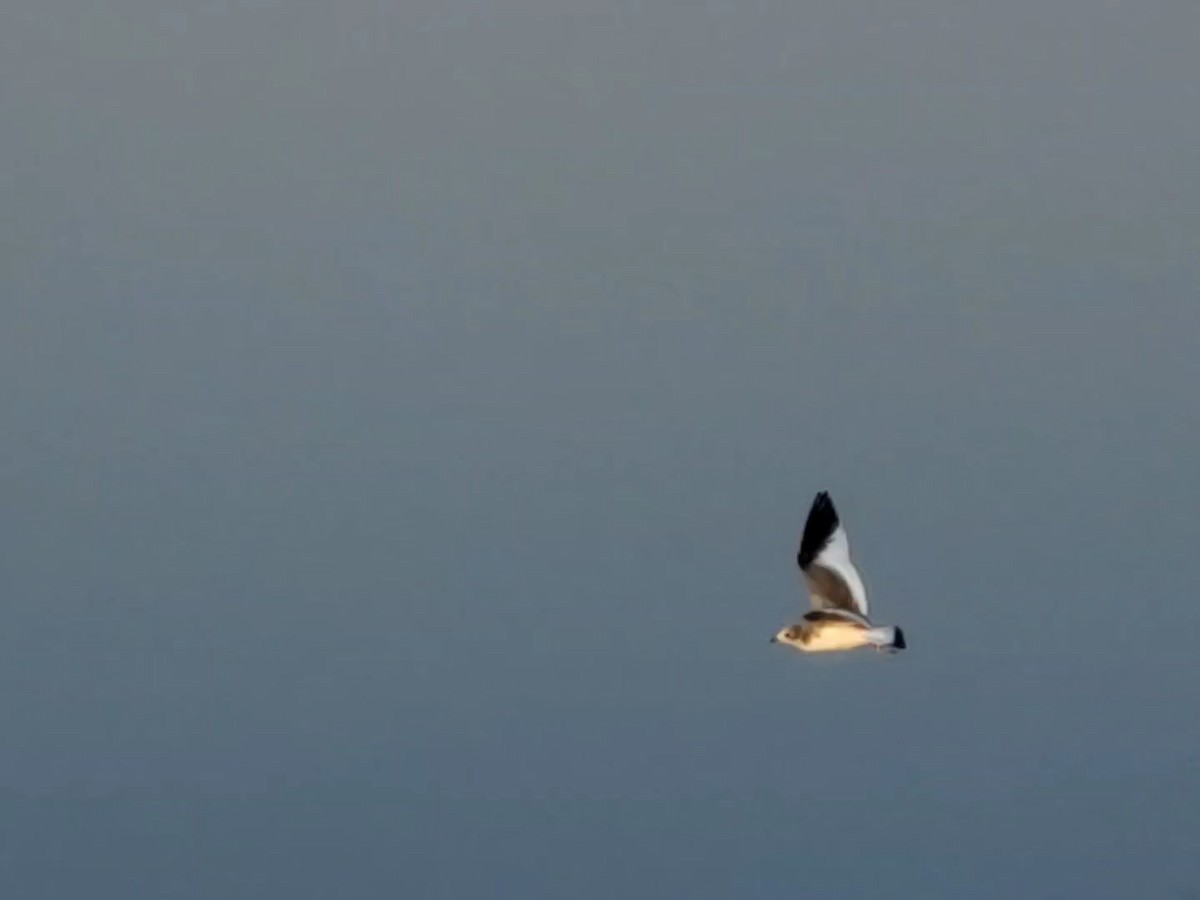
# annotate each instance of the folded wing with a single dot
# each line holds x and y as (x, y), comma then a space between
(834, 615)
(824, 558)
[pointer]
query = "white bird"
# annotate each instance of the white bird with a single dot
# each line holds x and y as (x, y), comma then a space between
(839, 619)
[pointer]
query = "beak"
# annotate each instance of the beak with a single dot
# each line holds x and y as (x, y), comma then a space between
(774, 639)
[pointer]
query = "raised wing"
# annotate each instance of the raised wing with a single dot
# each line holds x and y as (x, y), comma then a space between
(824, 557)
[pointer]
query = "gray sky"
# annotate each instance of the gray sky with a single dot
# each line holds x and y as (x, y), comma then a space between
(411, 411)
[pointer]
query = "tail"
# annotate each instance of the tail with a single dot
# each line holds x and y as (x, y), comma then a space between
(889, 637)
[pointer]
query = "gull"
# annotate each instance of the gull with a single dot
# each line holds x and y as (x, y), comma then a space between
(839, 619)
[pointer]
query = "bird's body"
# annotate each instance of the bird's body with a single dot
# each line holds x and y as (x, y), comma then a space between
(839, 619)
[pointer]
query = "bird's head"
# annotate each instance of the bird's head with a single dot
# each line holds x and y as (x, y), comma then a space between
(789, 635)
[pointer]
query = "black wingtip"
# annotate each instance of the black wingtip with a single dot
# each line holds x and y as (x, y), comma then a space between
(898, 639)
(820, 526)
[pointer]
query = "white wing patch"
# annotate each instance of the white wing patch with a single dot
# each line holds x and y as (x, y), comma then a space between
(835, 556)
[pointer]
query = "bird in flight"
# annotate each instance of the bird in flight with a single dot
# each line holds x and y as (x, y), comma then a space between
(839, 619)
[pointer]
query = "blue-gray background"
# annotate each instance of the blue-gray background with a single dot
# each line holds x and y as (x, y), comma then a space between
(410, 412)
